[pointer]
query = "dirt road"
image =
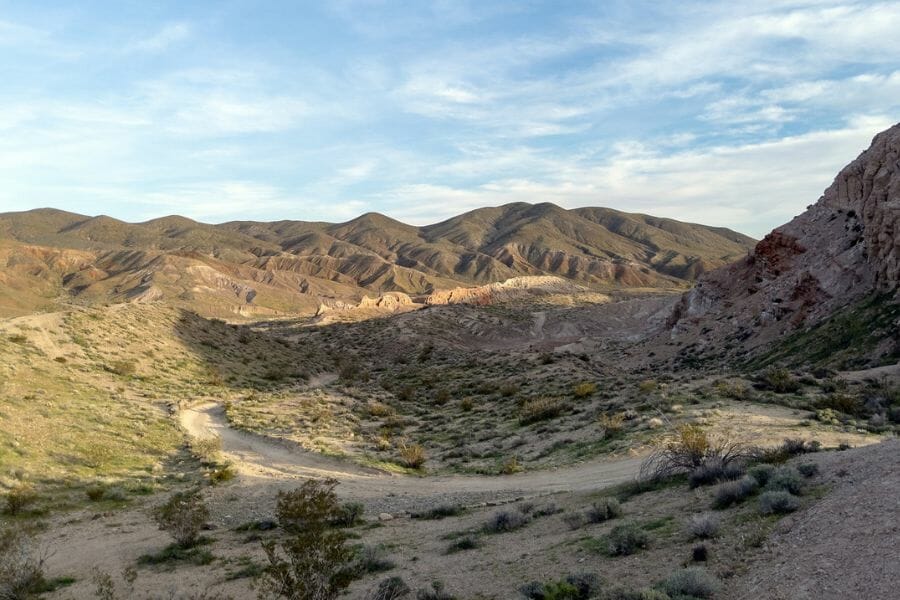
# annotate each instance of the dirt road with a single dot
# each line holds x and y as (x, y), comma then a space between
(258, 459)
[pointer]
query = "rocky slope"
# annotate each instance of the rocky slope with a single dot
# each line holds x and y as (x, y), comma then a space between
(843, 249)
(295, 267)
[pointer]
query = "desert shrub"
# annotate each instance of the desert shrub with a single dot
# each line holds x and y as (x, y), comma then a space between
(699, 553)
(505, 520)
(584, 389)
(19, 497)
(183, 516)
(21, 566)
(574, 520)
(843, 402)
(510, 466)
(371, 559)
(787, 479)
(466, 404)
(626, 539)
(391, 588)
(122, 367)
(312, 563)
(441, 511)
(349, 514)
(580, 586)
(611, 424)
(412, 455)
(692, 582)
(734, 492)
(379, 409)
(808, 469)
(761, 473)
(690, 449)
(222, 473)
(466, 542)
(780, 381)
(206, 449)
(508, 390)
(736, 390)
(704, 526)
(603, 510)
(442, 397)
(622, 593)
(539, 409)
(95, 493)
(436, 592)
(647, 386)
(713, 471)
(778, 502)
(789, 448)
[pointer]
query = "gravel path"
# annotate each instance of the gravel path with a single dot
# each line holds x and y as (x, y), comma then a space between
(265, 465)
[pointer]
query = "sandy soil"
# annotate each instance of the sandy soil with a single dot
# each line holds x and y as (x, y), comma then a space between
(845, 546)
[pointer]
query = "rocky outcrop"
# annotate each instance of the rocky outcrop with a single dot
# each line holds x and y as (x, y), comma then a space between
(843, 248)
(517, 287)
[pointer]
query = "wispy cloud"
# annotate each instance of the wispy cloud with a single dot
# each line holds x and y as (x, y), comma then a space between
(169, 35)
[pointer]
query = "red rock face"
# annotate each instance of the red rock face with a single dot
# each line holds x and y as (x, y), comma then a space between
(842, 249)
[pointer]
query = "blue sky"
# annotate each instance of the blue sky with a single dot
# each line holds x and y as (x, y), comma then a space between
(711, 112)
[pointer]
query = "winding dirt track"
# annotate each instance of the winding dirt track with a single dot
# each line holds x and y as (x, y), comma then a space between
(257, 458)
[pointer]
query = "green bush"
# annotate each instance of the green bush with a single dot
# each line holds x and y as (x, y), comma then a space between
(787, 479)
(580, 586)
(312, 562)
(626, 539)
(780, 381)
(183, 516)
(349, 514)
(761, 473)
(778, 502)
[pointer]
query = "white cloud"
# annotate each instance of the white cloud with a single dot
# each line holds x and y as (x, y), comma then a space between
(747, 187)
(170, 34)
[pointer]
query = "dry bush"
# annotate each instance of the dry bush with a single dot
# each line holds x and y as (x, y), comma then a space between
(611, 424)
(540, 409)
(183, 516)
(21, 566)
(392, 588)
(647, 386)
(312, 563)
(584, 389)
(206, 449)
(19, 497)
(603, 510)
(691, 448)
(412, 456)
(379, 409)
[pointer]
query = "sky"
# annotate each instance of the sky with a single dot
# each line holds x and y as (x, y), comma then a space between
(736, 114)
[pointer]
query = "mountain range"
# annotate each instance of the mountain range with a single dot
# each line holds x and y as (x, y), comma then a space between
(292, 267)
